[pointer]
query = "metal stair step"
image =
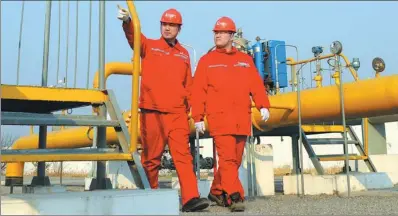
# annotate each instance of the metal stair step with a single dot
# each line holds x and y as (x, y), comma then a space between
(18, 118)
(50, 155)
(330, 141)
(38, 99)
(340, 157)
(317, 129)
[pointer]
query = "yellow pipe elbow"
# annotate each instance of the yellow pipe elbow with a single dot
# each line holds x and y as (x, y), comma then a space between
(347, 62)
(120, 68)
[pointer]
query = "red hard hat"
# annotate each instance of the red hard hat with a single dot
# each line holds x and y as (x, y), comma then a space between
(171, 16)
(225, 24)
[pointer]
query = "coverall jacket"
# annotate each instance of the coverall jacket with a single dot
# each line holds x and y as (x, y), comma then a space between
(164, 103)
(223, 84)
(165, 74)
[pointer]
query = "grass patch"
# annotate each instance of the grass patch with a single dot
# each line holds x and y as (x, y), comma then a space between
(287, 170)
(279, 171)
(58, 174)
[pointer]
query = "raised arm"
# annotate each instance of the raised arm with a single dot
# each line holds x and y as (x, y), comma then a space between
(128, 29)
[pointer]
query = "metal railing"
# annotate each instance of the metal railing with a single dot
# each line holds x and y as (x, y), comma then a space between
(136, 73)
(49, 5)
(100, 79)
(338, 80)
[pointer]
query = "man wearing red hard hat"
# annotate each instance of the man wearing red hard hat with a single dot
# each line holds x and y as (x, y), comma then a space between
(224, 80)
(164, 103)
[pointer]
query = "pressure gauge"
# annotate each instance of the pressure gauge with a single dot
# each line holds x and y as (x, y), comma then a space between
(336, 47)
(378, 64)
(355, 63)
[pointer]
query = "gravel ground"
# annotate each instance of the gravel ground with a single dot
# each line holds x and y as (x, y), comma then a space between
(377, 202)
(313, 205)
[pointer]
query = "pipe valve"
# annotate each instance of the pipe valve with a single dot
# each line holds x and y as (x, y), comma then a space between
(317, 50)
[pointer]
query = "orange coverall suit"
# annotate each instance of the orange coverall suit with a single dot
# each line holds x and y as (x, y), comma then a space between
(223, 83)
(164, 98)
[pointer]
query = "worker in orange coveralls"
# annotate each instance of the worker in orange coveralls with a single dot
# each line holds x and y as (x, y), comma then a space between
(224, 80)
(164, 98)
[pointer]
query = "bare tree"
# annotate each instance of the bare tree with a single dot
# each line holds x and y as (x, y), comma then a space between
(58, 167)
(7, 139)
(47, 167)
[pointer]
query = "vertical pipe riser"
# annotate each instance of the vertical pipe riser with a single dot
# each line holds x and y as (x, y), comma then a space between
(89, 45)
(20, 41)
(101, 133)
(67, 45)
(41, 167)
(77, 42)
(46, 44)
(59, 41)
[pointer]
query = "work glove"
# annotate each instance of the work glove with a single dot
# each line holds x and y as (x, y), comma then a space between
(200, 127)
(264, 114)
(123, 14)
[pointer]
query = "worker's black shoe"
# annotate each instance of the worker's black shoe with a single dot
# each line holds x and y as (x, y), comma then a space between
(219, 199)
(195, 204)
(236, 203)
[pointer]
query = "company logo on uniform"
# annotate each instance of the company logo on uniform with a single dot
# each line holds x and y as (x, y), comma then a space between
(242, 64)
(160, 50)
(181, 55)
(217, 65)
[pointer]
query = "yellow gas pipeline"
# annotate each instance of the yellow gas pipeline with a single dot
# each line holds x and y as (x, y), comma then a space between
(364, 98)
(80, 137)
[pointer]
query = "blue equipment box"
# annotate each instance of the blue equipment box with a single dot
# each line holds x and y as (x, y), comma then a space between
(281, 58)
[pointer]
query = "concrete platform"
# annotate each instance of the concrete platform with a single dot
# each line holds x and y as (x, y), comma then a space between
(383, 163)
(204, 185)
(120, 175)
(263, 164)
(106, 202)
(43, 189)
(336, 184)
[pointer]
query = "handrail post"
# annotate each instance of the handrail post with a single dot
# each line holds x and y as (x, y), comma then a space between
(365, 132)
(341, 91)
(135, 80)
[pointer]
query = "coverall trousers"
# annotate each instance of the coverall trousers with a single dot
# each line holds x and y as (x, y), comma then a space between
(157, 129)
(230, 150)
